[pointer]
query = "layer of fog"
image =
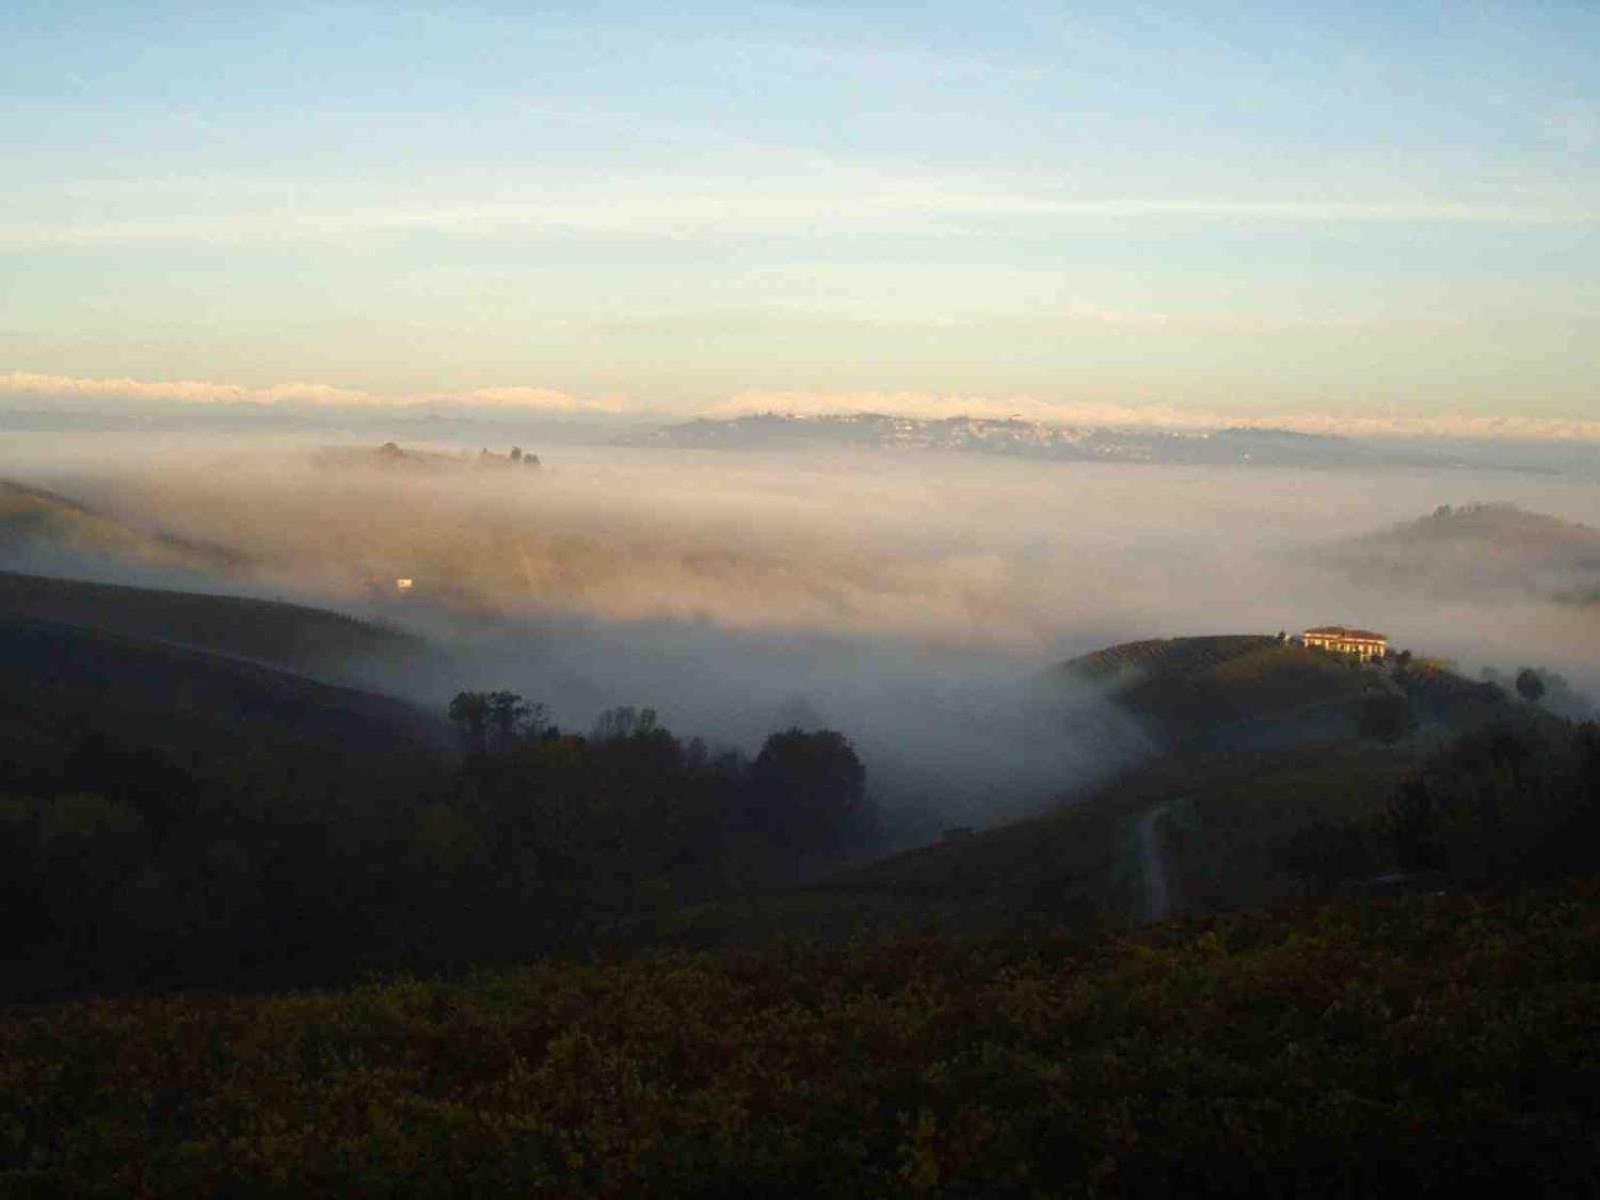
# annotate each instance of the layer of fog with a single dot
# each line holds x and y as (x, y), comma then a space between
(910, 601)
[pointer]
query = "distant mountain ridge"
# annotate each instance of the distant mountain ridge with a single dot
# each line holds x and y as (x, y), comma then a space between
(1011, 437)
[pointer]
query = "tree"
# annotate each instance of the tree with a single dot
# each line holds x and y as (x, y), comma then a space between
(1529, 685)
(807, 793)
(624, 721)
(498, 721)
(471, 711)
(511, 717)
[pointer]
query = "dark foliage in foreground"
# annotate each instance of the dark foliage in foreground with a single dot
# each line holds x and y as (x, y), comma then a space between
(173, 818)
(1419, 1047)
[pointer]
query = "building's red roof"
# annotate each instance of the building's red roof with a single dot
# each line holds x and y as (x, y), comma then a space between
(1340, 631)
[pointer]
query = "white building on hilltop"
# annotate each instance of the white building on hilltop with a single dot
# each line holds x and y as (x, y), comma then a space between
(1363, 643)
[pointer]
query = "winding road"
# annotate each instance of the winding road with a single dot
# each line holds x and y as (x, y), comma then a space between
(1157, 895)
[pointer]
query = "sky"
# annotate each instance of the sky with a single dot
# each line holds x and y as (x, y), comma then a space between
(1299, 212)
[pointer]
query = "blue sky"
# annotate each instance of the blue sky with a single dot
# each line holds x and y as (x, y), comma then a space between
(1381, 210)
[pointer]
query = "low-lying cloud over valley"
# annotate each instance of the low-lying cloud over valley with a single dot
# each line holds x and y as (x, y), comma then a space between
(910, 601)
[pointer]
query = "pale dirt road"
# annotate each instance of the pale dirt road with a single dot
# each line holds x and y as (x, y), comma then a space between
(1157, 895)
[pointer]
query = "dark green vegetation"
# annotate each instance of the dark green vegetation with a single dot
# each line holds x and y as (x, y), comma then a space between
(1419, 1047)
(1274, 786)
(174, 817)
(1072, 868)
(171, 815)
(972, 1017)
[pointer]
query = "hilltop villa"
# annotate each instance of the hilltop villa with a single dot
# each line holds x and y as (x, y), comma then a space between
(1363, 643)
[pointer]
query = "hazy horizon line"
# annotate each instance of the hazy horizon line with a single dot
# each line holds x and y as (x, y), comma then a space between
(912, 404)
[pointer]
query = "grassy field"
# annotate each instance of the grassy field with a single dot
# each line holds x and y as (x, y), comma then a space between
(1418, 1047)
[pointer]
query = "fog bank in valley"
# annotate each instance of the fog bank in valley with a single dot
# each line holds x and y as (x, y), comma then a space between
(910, 601)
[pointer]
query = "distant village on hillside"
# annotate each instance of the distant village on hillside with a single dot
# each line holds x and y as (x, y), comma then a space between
(391, 456)
(1012, 437)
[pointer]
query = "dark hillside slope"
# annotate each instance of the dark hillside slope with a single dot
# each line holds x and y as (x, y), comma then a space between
(170, 817)
(201, 710)
(294, 636)
(1226, 819)
(1069, 869)
(1241, 690)
(1261, 742)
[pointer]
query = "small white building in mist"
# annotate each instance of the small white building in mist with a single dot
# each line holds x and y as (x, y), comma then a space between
(1363, 643)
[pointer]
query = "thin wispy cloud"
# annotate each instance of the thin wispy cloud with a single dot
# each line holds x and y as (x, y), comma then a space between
(25, 385)
(177, 391)
(803, 197)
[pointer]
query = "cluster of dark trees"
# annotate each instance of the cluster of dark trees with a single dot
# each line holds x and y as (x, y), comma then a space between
(129, 863)
(1518, 800)
(591, 825)
(515, 457)
(1549, 689)
(1512, 803)
(1418, 693)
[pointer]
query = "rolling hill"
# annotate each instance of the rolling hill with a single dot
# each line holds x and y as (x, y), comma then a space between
(1228, 691)
(1473, 551)
(58, 680)
(38, 525)
(296, 637)
(169, 815)
(1257, 741)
